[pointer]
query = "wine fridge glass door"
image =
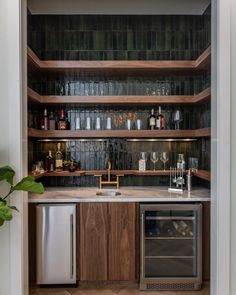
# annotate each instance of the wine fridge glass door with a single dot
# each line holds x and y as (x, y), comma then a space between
(170, 242)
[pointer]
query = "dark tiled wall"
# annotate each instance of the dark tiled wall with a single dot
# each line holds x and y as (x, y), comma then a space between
(124, 38)
(194, 117)
(114, 37)
(118, 85)
(93, 155)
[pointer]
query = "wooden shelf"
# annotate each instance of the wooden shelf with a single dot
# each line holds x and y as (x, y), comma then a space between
(64, 134)
(139, 66)
(120, 100)
(203, 174)
(103, 172)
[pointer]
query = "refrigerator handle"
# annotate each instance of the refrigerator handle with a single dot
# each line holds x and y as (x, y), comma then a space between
(72, 246)
(142, 245)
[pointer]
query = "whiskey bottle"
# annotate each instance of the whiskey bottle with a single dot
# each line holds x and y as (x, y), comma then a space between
(152, 120)
(160, 120)
(49, 163)
(59, 158)
(62, 123)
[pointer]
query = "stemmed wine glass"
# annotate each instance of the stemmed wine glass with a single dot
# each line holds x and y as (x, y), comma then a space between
(164, 158)
(154, 159)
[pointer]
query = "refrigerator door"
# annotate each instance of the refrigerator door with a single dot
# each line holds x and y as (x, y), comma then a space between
(56, 244)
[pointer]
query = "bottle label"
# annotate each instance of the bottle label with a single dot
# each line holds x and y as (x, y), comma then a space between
(158, 123)
(142, 165)
(152, 121)
(58, 163)
(62, 125)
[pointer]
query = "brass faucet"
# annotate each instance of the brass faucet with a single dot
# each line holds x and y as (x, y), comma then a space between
(108, 181)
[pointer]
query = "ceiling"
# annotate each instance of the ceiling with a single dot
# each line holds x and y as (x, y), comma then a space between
(157, 7)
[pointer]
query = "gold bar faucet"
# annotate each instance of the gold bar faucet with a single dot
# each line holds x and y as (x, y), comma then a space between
(108, 181)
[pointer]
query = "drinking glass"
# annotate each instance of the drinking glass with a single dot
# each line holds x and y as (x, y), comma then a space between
(154, 159)
(164, 158)
(177, 118)
(143, 156)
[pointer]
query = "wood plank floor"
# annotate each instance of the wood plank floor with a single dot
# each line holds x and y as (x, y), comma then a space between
(112, 289)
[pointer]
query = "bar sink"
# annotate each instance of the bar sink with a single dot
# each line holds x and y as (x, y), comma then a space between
(108, 192)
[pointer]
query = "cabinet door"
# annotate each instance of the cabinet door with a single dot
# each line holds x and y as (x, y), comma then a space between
(122, 237)
(93, 241)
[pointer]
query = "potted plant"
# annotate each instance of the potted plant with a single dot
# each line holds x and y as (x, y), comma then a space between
(27, 184)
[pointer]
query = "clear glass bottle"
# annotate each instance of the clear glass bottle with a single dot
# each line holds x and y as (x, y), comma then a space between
(52, 122)
(44, 120)
(59, 158)
(160, 120)
(181, 162)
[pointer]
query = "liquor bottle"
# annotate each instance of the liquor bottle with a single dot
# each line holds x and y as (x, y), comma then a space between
(49, 163)
(160, 120)
(152, 120)
(59, 158)
(179, 229)
(52, 122)
(62, 123)
(187, 228)
(44, 120)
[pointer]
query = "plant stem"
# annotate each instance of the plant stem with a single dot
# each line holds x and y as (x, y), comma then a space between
(7, 194)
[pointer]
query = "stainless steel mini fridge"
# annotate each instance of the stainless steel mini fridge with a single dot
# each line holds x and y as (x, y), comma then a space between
(56, 244)
(171, 246)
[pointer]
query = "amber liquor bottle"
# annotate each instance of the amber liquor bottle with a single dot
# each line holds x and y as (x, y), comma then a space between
(62, 122)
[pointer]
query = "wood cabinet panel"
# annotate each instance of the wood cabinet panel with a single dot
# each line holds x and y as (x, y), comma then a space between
(122, 241)
(93, 241)
(206, 241)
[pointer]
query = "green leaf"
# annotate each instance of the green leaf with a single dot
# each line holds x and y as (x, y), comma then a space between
(7, 173)
(2, 200)
(28, 184)
(14, 208)
(5, 212)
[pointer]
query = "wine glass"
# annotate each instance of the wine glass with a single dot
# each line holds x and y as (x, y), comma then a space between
(164, 158)
(154, 159)
(177, 118)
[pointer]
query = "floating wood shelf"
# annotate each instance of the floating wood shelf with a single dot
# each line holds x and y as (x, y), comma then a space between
(64, 134)
(120, 100)
(203, 174)
(201, 63)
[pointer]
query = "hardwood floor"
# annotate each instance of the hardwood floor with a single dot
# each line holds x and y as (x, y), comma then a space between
(112, 289)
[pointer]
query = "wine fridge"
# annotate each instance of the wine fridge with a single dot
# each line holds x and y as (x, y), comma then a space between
(171, 246)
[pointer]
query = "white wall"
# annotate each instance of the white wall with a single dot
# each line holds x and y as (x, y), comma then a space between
(4, 144)
(13, 241)
(117, 7)
(233, 148)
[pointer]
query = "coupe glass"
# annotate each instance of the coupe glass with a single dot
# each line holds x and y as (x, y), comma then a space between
(164, 158)
(154, 159)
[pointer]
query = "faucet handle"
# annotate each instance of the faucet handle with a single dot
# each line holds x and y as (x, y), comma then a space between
(109, 165)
